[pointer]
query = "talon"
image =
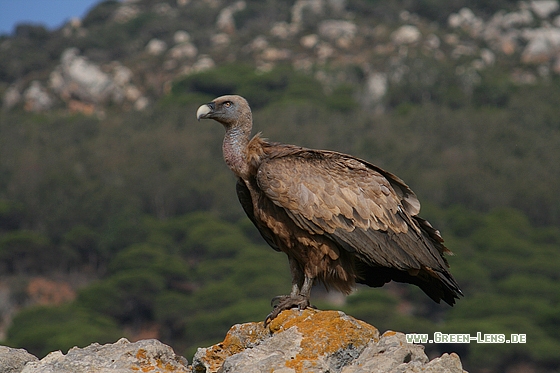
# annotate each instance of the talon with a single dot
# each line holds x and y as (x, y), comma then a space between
(286, 302)
(279, 299)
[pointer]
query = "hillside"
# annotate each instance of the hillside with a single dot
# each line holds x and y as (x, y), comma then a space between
(118, 217)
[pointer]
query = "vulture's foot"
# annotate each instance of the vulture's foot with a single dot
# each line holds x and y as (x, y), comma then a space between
(286, 302)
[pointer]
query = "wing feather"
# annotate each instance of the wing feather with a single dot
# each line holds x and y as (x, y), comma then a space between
(354, 203)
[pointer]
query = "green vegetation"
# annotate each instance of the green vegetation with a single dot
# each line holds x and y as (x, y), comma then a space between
(145, 202)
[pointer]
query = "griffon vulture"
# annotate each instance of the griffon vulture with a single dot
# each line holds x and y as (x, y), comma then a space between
(339, 219)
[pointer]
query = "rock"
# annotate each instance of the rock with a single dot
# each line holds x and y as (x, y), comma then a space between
(220, 40)
(164, 9)
(183, 50)
(13, 360)
(376, 88)
(275, 54)
(463, 50)
(258, 44)
(466, 20)
(302, 9)
(464, 16)
(122, 75)
(340, 32)
(309, 41)
(156, 47)
(303, 341)
(432, 42)
(125, 13)
(393, 354)
(390, 352)
(446, 363)
(308, 341)
(132, 93)
(544, 8)
(522, 17)
(181, 36)
(78, 77)
(37, 98)
(225, 21)
(148, 355)
(487, 56)
(406, 34)
(11, 98)
(282, 30)
(203, 63)
(141, 104)
(544, 45)
(317, 341)
(324, 51)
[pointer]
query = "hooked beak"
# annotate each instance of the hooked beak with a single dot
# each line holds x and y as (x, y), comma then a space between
(204, 110)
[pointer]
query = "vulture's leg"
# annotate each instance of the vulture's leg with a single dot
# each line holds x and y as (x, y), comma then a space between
(298, 298)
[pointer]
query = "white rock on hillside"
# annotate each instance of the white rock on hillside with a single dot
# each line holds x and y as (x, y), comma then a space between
(225, 21)
(543, 46)
(544, 8)
(156, 47)
(406, 34)
(37, 98)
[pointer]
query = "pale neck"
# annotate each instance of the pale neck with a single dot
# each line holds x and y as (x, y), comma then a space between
(234, 149)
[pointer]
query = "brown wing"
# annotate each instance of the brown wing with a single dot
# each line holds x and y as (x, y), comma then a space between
(363, 209)
(246, 201)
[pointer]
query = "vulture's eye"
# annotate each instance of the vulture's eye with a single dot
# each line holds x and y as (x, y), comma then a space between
(228, 104)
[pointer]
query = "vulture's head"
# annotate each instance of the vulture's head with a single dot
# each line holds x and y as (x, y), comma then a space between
(230, 110)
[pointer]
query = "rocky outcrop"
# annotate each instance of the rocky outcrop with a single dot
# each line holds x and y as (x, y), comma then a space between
(37, 98)
(12, 360)
(319, 37)
(85, 85)
(308, 341)
(317, 341)
(122, 356)
(77, 78)
(508, 33)
(226, 22)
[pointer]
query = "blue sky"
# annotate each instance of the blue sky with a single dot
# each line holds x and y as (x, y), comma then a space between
(50, 13)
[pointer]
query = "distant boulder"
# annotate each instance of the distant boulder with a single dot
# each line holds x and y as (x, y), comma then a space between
(338, 31)
(77, 77)
(12, 97)
(406, 34)
(80, 82)
(155, 47)
(225, 21)
(37, 98)
(544, 8)
(543, 45)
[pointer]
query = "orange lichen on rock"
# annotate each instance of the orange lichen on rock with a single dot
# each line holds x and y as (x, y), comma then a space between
(238, 338)
(147, 363)
(317, 334)
(389, 333)
(323, 333)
